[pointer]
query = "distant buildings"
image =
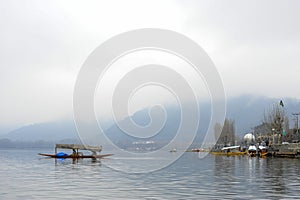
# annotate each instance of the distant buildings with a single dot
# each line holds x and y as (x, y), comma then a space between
(263, 132)
(267, 132)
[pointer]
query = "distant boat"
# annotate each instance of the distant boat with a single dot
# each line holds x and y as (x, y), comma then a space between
(173, 150)
(229, 151)
(76, 154)
(198, 150)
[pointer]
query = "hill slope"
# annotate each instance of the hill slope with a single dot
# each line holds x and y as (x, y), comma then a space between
(247, 111)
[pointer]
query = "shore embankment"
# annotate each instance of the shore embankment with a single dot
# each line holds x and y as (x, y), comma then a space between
(291, 150)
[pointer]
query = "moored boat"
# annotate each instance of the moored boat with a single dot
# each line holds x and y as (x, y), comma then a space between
(262, 151)
(252, 150)
(229, 151)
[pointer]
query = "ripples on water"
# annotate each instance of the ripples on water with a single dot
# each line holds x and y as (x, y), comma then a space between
(24, 175)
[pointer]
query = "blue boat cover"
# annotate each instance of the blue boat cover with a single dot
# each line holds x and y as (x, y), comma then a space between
(61, 154)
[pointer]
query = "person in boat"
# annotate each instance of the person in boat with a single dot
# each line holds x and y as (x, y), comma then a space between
(74, 152)
(267, 142)
(259, 152)
(227, 151)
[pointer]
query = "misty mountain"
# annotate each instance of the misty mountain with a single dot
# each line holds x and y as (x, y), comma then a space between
(51, 131)
(168, 131)
(247, 111)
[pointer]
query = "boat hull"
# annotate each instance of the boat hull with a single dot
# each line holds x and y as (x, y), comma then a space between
(228, 153)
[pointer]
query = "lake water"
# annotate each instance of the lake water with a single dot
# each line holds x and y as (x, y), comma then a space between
(24, 175)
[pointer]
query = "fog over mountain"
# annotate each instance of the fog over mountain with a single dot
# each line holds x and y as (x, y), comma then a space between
(247, 111)
(51, 131)
(254, 45)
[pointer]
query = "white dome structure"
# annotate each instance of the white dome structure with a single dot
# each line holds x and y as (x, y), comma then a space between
(249, 137)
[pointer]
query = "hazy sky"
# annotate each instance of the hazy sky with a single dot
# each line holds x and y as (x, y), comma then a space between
(255, 46)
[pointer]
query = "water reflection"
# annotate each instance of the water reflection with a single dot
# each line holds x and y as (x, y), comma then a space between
(225, 175)
(213, 177)
(274, 175)
(59, 161)
(256, 176)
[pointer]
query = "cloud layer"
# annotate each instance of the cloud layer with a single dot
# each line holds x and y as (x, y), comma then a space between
(254, 45)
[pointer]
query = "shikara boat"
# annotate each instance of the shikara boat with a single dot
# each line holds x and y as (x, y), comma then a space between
(229, 151)
(252, 150)
(198, 150)
(76, 154)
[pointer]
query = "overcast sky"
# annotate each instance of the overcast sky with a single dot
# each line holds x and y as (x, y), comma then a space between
(255, 46)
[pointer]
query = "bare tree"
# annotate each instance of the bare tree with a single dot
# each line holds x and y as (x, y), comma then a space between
(227, 136)
(218, 132)
(277, 120)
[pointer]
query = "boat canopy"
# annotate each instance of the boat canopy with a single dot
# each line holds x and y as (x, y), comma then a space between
(231, 147)
(252, 148)
(79, 147)
(262, 147)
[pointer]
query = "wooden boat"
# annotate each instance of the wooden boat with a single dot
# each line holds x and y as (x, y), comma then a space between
(263, 151)
(252, 151)
(76, 154)
(197, 150)
(229, 151)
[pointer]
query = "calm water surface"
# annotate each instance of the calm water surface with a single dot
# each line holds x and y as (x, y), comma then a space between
(24, 175)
